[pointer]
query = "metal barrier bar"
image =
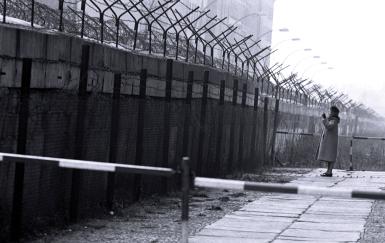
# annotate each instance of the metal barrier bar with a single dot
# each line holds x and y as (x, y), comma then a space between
(299, 133)
(20, 160)
(368, 138)
(290, 189)
(88, 165)
(342, 136)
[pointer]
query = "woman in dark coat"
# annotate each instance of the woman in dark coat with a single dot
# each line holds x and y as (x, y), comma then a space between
(327, 150)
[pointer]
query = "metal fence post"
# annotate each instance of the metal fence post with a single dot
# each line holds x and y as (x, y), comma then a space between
(166, 120)
(114, 130)
(18, 188)
(185, 197)
(79, 132)
(140, 133)
(232, 127)
(202, 123)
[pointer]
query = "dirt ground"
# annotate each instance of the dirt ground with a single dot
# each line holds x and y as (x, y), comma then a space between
(157, 219)
(375, 225)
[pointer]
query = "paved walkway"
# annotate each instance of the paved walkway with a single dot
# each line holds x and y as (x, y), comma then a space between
(297, 218)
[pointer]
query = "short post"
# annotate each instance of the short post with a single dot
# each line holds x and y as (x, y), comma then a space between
(18, 188)
(351, 155)
(185, 197)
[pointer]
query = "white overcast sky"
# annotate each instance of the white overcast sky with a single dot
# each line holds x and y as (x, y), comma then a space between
(347, 34)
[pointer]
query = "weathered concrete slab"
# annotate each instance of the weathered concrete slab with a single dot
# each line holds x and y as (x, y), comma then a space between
(297, 218)
(321, 234)
(236, 233)
(327, 226)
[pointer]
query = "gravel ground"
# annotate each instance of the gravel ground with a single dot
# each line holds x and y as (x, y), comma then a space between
(157, 219)
(375, 225)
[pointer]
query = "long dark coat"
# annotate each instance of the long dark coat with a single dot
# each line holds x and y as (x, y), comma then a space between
(327, 150)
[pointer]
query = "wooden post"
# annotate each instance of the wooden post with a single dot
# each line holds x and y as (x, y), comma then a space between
(77, 175)
(202, 123)
(140, 133)
(114, 130)
(166, 120)
(22, 130)
(232, 127)
(218, 149)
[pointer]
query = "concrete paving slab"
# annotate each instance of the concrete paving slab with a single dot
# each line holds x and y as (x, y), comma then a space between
(300, 218)
(327, 226)
(321, 234)
(236, 233)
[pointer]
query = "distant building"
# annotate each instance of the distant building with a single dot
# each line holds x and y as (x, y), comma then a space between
(252, 16)
(55, 4)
